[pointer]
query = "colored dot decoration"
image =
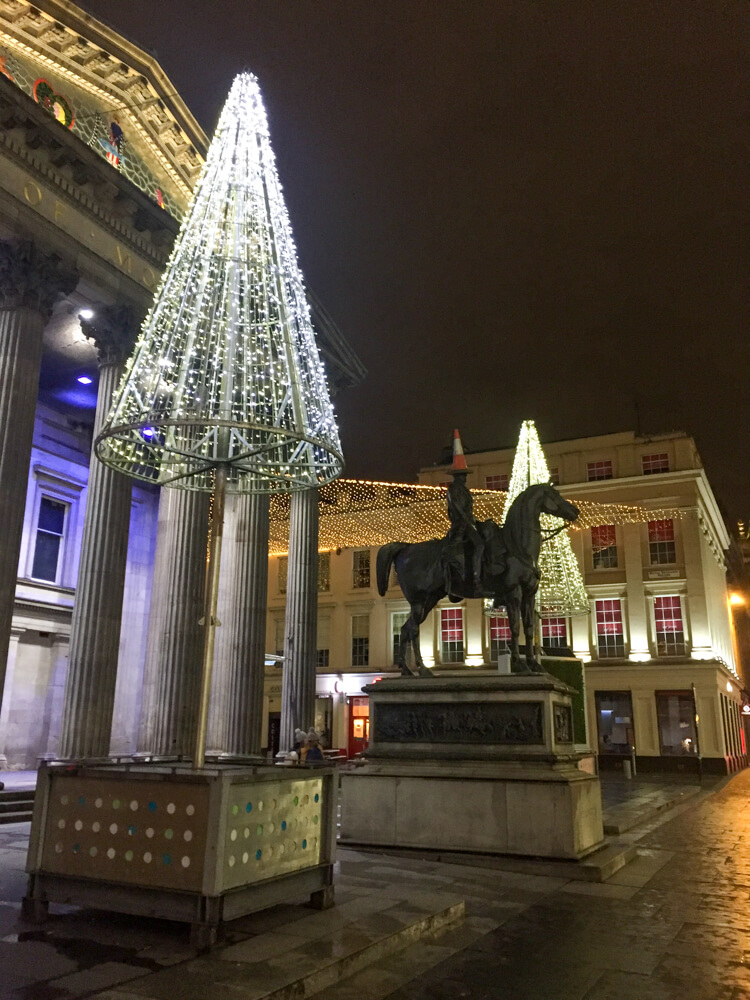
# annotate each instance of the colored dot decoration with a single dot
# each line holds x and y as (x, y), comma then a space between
(289, 814)
(281, 843)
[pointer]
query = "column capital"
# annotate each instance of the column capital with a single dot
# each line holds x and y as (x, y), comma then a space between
(32, 278)
(114, 330)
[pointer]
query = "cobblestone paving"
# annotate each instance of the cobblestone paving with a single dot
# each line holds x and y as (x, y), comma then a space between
(672, 925)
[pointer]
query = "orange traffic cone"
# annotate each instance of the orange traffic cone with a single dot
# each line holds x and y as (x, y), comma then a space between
(459, 462)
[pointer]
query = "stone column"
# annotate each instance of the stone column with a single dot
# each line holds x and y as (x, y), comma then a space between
(175, 641)
(97, 613)
(244, 620)
(30, 282)
(301, 623)
(15, 635)
(53, 708)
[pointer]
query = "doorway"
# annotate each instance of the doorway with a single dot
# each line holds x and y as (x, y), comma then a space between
(359, 725)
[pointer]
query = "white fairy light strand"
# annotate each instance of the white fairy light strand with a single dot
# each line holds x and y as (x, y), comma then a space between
(226, 369)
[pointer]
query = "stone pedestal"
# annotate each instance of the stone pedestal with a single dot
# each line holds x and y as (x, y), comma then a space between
(484, 764)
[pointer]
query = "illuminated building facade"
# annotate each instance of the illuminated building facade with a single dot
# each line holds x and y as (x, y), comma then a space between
(657, 644)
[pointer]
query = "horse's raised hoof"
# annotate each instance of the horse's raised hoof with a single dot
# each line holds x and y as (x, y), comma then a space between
(425, 671)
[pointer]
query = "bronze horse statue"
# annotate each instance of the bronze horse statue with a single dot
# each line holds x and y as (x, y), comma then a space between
(510, 573)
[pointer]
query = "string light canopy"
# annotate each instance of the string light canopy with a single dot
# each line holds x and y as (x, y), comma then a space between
(358, 513)
(226, 371)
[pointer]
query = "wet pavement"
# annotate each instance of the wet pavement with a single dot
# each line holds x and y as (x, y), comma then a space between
(672, 925)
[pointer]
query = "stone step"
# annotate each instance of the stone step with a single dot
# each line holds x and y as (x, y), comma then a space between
(20, 795)
(310, 956)
(24, 803)
(16, 817)
(595, 867)
(627, 815)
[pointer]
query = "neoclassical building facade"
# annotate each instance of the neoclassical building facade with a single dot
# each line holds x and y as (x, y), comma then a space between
(101, 582)
(661, 666)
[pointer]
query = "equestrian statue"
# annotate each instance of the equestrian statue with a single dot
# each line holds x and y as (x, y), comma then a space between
(475, 559)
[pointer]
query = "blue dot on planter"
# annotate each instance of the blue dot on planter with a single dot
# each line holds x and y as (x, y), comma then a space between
(81, 800)
(76, 848)
(152, 807)
(283, 824)
(249, 807)
(304, 844)
(131, 830)
(317, 797)
(258, 854)
(167, 859)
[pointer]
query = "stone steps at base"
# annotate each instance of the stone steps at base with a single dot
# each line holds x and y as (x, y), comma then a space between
(595, 867)
(16, 817)
(315, 954)
(16, 807)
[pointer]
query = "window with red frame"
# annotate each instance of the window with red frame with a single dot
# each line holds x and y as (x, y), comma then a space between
(599, 470)
(496, 482)
(554, 476)
(610, 635)
(654, 463)
(452, 635)
(554, 633)
(604, 546)
(670, 634)
(499, 636)
(661, 546)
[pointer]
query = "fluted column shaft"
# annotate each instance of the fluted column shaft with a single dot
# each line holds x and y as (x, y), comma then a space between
(301, 620)
(245, 622)
(20, 357)
(175, 641)
(97, 613)
(30, 282)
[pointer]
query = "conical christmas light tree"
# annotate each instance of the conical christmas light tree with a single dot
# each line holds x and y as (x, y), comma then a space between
(561, 588)
(225, 390)
(226, 370)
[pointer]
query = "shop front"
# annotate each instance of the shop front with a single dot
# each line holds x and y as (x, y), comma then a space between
(667, 719)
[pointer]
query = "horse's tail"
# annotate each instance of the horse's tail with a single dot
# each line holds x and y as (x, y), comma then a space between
(386, 555)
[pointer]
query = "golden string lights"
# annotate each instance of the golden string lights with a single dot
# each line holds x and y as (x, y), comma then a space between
(356, 513)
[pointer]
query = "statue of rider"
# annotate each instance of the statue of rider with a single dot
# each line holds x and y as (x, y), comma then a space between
(463, 527)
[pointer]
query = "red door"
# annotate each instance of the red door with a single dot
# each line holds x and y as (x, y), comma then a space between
(359, 725)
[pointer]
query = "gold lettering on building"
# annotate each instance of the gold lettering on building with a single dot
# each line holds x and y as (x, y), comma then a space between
(124, 259)
(59, 211)
(148, 277)
(32, 193)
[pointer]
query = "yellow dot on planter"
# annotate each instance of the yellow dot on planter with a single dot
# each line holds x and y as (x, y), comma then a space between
(128, 855)
(185, 862)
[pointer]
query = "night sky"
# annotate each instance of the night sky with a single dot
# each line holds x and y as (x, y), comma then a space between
(512, 209)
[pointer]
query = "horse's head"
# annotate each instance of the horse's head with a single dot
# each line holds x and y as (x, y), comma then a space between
(553, 503)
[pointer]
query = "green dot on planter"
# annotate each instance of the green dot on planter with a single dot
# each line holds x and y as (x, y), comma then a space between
(235, 810)
(295, 800)
(128, 855)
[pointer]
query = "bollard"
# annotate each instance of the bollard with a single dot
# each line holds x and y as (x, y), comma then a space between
(627, 769)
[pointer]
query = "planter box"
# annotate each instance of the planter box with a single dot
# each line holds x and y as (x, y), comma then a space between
(201, 846)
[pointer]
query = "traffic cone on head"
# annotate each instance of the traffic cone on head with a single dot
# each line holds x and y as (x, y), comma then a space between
(459, 461)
